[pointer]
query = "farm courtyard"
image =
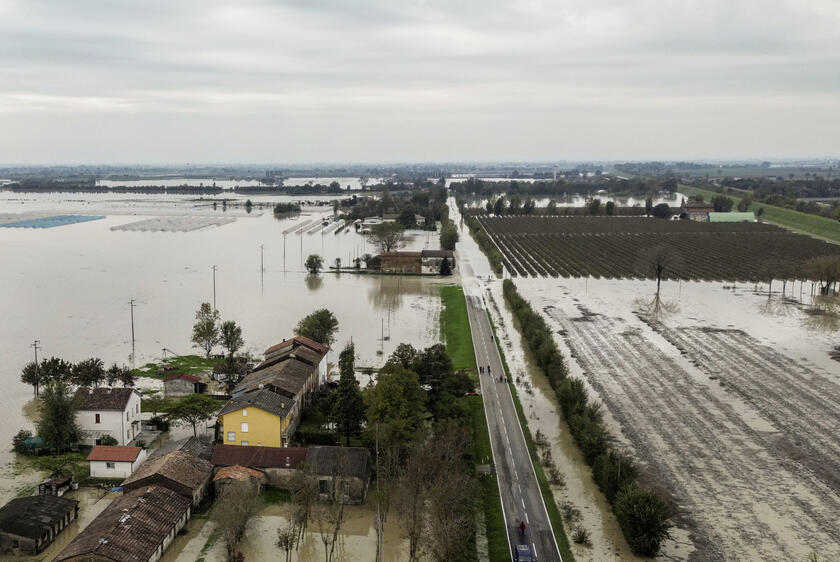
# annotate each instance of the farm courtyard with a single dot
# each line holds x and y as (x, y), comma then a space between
(727, 395)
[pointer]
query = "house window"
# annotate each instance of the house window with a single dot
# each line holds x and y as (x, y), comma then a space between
(109, 465)
(128, 436)
(231, 436)
(126, 416)
(97, 418)
(323, 486)
(244, 443)
(244, 427)
(15, 543)
(245, 412)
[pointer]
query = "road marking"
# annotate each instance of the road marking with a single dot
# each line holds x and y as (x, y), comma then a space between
(534, 547)
(523, 502)
(528, 521)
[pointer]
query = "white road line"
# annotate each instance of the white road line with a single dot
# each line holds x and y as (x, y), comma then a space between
(534, 547)
(523, 502)
(528, 521)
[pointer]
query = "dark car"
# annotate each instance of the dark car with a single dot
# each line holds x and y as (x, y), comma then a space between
(524, 554)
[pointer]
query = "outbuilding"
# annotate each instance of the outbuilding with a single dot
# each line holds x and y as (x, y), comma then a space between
(115, 462)
(28, 525)
(182, 385)
(178, 471)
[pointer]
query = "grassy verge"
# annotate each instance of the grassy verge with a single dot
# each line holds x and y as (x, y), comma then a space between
(545, 487)
(189, 364)
(788, 218)
(457, 336)
(455, 328)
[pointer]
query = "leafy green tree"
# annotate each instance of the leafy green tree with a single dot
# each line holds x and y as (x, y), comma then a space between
(551, 209)
(191, 410)
(744, 204)
(645, 519)
(594, 206)
(19, 440)
(448, 236)
(528, 207)
(722, 204)
(387, 235)
(320, 326)
(499, 206)
(662, 211)
(57, 423)
(610, 208)
(231, 339)
(120, 374)
(314, 263)
(445, 268)
(88, 372)
(404, 355)
(407, 219)
(31, 374)
(55, 370)
(515, 204)
(396, 403)
(348, 411)
(205, 332)
(648, 205)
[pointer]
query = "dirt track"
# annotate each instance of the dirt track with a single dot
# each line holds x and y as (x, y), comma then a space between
(746, 492)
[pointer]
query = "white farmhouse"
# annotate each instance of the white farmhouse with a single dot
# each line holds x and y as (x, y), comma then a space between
(108, 411)
(115, 462)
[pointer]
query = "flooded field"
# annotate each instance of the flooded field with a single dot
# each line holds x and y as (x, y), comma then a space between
(731, 405)
(70, 287)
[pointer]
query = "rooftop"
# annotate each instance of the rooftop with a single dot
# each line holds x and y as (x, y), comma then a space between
(258, 457)
(299, 341)
(289, 375)
(131, 528)
(33, 516)
(196, 446)
(261, 398)
(237, 472)
(114, 454)
(344, 461)
(103, 398)
(400, 255)
(437, 253)
(177, 466)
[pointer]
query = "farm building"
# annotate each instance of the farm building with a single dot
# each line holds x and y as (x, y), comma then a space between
(230, 474)
(178, 471)
(55, 486)
(182, 385)
(28, 525)
(342, 469)
(196, 446)
(325, 465)
(279, 464)
(115, 462)
(732, 217)
(425, 262)
(265, 408)
(696, 211)
(108, 411)
(138, 526)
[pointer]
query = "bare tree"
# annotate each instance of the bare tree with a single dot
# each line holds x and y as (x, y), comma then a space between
(658, 262)
(236, 501)
(387, 235)
(329, 515)
(288, 534)
(825, 269)
(305, 496)
(411, 492)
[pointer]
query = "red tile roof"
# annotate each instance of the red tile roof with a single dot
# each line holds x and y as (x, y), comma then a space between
(114, 454)
(301, 340)
(258, 457)
(237, 472)
(184, 376)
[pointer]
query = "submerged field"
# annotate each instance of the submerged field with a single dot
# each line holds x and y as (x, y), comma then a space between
(615, 247)
(715, 397)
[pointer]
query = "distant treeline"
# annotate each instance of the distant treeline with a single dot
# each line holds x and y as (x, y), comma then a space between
(588, 185)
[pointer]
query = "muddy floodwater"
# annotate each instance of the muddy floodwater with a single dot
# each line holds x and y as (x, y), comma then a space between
(726, 393)
(69, 287)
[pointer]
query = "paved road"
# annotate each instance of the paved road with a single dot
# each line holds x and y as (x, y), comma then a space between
(518, 486)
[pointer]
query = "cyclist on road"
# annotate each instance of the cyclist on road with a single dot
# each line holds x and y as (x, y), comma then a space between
(522, 528)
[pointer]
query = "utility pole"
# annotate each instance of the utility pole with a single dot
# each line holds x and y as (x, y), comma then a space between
(262, 256)
(132, 304)
(37, 367)
(214, 268)
(284, 253)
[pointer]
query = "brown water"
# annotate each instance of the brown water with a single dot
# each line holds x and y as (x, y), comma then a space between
(70, 287)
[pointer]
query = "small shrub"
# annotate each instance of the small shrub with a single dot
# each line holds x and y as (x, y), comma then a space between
(581, 536)
(19, 440)
(571, 514)
(613, 471)
(108, 440)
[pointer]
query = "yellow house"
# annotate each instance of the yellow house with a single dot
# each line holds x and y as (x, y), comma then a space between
(258, 418)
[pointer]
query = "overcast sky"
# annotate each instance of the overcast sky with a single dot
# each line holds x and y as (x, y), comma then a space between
(172, 81)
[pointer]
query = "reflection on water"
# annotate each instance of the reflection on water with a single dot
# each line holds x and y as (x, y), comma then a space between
(314, 281)
(656, 308)
(824, 313)
(70, 287)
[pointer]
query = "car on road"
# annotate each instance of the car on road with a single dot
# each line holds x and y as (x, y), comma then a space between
(524, 554)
